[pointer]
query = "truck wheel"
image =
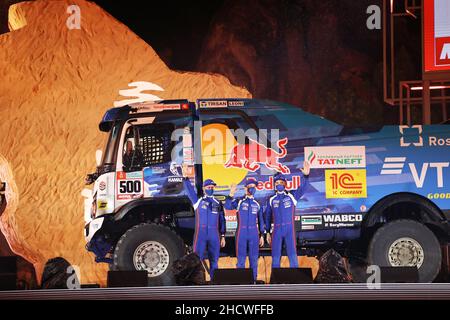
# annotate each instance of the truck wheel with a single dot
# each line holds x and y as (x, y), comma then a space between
(406, 243)
(149, 247)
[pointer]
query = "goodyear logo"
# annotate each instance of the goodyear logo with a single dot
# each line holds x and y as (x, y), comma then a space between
(346, 183)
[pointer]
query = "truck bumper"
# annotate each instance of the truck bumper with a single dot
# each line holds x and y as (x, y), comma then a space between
(96, 241)
(92, 227)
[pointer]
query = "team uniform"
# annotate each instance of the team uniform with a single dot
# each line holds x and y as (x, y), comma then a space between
(209, 225)
(249, 216)
(280, 210)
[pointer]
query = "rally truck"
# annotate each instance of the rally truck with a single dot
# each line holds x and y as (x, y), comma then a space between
(381, 195)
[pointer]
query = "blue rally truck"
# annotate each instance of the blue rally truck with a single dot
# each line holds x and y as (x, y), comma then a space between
(377, 195)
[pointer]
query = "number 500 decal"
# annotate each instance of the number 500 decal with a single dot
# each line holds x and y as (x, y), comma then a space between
(129, 186)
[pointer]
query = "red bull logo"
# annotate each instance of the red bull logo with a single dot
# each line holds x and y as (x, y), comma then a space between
(292, 184)
(254, 154)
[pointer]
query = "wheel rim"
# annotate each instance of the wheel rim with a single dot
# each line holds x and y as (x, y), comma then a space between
(406, 252)
(151, 256)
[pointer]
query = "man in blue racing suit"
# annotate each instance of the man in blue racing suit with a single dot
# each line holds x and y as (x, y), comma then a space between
(209, 222)
(281, 211)
(249, 217)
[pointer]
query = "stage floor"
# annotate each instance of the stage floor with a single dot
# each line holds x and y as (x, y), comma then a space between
(403, 291)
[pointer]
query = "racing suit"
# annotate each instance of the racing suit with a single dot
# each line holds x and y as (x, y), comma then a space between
(249, 216)
(209, 222)
(280, 210)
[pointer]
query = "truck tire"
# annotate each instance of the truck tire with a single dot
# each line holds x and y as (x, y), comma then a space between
(149, 247)
(406, 243)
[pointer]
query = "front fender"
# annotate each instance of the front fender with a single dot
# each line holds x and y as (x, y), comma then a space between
(92, 227)
(430, 212)
(123, 211)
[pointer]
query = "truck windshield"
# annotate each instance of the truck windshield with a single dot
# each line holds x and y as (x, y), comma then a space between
(108, 154)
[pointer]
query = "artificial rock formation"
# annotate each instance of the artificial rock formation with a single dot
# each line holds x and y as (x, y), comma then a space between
(56, 84)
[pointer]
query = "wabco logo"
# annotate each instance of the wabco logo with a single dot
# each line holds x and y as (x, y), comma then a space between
(342, 218)
(395, 165)
(417, 140)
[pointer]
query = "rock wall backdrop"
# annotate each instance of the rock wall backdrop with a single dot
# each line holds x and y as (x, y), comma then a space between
(56, 84)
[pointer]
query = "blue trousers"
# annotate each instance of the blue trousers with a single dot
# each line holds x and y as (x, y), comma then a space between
(284, 233)
(208, 241)
(247, 244)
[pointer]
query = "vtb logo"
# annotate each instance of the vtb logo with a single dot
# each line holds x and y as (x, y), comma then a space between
(394, 166)
(417, 143)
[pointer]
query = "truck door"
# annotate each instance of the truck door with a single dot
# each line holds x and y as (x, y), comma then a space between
(150, 156)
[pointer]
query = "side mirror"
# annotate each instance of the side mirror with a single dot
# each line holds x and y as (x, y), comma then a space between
(98, 157)
(86, 193)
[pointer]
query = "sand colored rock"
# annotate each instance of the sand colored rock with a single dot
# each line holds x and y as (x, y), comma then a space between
(7, 218)
(56, 85)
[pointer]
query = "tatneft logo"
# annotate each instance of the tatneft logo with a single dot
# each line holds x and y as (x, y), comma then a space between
(336, 157)
(395, 165)
(417, 140)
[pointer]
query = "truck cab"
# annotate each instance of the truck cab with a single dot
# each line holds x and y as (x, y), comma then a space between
(138, 215)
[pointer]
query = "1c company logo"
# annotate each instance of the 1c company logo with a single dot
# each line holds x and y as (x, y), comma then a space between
(346, 183)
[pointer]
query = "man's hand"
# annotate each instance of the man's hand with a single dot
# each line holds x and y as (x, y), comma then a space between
(233, 189)
(306, 168)
(269, 239)
(222, 242)
(261, 241)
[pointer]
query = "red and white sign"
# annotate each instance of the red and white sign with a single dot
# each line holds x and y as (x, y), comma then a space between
(436, 35)
(129, 185)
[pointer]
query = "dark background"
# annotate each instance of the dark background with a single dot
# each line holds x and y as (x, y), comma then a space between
(315, 54)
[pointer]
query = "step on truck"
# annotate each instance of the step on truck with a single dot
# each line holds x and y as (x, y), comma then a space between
(380, 196)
